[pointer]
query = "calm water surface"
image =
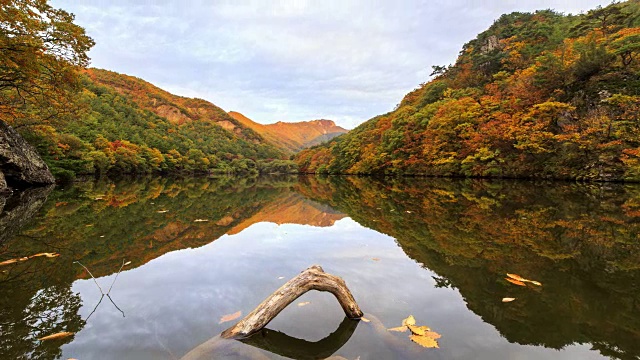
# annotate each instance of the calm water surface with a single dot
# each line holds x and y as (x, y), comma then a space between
(439, 250)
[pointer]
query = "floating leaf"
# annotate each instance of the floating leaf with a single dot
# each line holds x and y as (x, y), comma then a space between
(59, 335)
(365, 319)
(280, 277)
(375, 259)
(230, 317)
(424, 341)
(399, 329)
(418, 330)
(432, 334)
(409, 321)
(520, 278)
(515, 282)
(11, 261)
(304, 303)
(49, 255)
(516, 277)
(508, 299)
(25, 258)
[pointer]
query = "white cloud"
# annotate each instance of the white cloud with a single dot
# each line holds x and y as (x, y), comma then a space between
(290, 60)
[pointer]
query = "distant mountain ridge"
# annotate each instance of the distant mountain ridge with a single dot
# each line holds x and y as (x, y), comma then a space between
(293, 136)
(176, 109)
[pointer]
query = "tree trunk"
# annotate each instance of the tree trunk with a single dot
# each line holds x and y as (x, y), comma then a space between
(313, 278)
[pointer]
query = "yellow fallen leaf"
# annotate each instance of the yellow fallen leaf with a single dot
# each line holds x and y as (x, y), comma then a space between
(418, 330)
(508, 299)
(520, 278)
(516, 282)
(409, 321)
(424, 341)
(365, 319)
(304, 303)
(432, 334)
(59, 335)
(49, 255)
(399, 329)
(7, 262)
(230, 317)
(25, 258)
(516, 277)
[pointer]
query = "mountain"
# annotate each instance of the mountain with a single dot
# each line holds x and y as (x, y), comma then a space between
(127, 125)
(541, 95)
(294, 136)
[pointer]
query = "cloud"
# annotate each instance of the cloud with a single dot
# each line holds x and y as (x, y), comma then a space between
(290, 60)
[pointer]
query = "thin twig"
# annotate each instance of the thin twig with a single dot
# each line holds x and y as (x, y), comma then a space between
(114, 304)
(116, 278)
(94, 279)
(95, 308)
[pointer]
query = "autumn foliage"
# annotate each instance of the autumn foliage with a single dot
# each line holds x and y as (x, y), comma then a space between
(536, 95)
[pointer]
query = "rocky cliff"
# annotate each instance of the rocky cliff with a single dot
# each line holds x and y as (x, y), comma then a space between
(20, 164)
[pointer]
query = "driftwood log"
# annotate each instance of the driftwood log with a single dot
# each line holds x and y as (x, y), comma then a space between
(313, 278)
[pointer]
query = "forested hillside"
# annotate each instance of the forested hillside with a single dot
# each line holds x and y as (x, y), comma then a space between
(90, 121)
(536, 95)
(126, 125)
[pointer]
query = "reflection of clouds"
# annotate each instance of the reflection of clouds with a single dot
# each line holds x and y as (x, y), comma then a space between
(174, 302)
(293, 60)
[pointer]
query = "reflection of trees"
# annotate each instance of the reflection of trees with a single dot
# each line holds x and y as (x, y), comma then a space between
(24, 320)
(581, 241)
(100, 224)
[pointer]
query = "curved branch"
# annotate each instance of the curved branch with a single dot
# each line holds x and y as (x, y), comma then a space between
(313, 278)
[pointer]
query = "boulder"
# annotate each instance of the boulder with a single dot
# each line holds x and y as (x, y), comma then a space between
(20, 164)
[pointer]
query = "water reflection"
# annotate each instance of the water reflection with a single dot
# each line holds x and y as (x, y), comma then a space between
(291, 347)
(581, 241)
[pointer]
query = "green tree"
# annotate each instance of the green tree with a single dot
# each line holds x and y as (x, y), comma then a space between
(41, 51)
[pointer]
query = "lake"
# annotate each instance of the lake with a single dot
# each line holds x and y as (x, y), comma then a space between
(439, 249)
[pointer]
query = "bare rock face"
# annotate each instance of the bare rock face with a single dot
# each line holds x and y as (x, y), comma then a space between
(20, 164)
(4, 188)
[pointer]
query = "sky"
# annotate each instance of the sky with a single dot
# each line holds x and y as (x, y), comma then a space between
(345, 60)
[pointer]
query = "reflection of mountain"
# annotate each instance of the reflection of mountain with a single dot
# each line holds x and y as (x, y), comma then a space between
(292, 208)
(582, 242)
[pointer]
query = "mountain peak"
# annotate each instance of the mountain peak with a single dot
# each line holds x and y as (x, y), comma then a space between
(293, 136)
